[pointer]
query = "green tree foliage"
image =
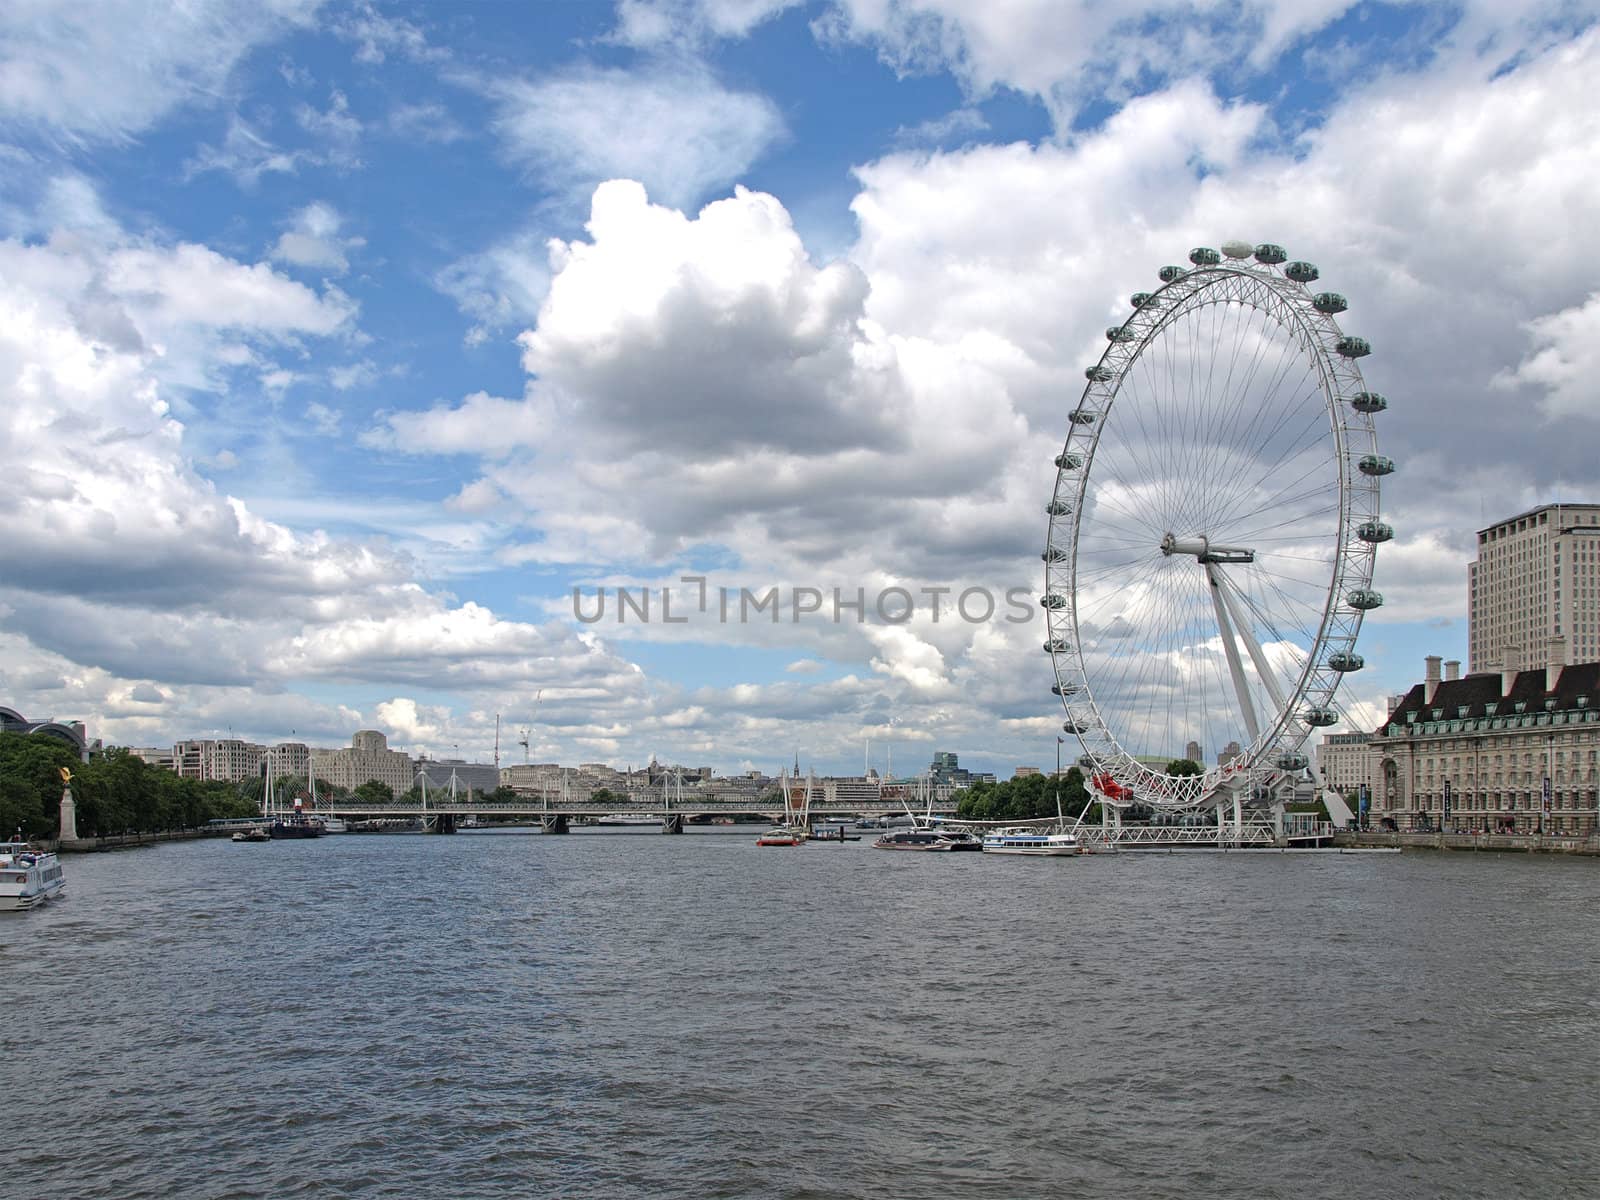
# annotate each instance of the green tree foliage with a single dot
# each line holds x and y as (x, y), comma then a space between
(1025, 798)
(116, 792)
(607, 796)
(1185, 766)
(375, 791)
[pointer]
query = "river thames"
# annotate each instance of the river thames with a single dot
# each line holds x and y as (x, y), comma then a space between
(622, 1014)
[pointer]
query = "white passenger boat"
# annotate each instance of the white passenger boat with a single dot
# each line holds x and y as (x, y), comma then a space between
(1022, 840)
(27, 877)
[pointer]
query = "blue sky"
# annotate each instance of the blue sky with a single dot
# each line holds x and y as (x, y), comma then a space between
(343, 341)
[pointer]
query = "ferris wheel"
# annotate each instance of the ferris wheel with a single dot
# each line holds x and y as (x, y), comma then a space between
(1212, 531)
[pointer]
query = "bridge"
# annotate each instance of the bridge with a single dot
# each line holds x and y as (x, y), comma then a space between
(445, 815)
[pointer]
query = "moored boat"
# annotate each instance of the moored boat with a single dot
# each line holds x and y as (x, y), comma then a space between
(927, 839)
(1023, 840)
(27, 877)
(257, 834)
(783, 835)
(295, 827)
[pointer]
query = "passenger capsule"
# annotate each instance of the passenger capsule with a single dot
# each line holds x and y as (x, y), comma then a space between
(1292, 761)
(1270, 254)
(1120, 333)
(1139, 299)
(1058, 508)
(1237, 249)
(1369, 402)
(1080, 417)
(1065, 689)
(1339, 660)
(1319, 717)
(1204, 256)
(1329, 303)
(1363, 599)
(1052, 601)
(1376, 464)
(1302, 272)
(1068, 462)
(1099, 374)
(1374, 532)
(1056, 646)
(1054, 555)
(1353, 347)
(1168, 274)
(1085, 761)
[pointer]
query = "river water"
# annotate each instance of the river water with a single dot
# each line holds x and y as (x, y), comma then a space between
(622, 1014)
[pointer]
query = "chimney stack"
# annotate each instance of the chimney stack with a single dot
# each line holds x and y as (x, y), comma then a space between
(1555, 659)
(1510, 667)
(1432, 678)
(1452, 670)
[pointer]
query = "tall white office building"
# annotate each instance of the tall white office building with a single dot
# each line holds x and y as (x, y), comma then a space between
(1536, 579)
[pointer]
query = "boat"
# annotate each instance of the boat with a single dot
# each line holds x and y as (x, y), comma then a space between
(1023, 840)
(257, 834)
(27, 876)
(628, 819)
(783, 835)
(296, 826)
(832, 833)
(927, 839)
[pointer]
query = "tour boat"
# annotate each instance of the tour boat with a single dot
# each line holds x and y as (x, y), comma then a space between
(927, 839)
(781, 836)
(27, 877)
(628, 819)
(256, 834)
(295, 827)
(1023, 840)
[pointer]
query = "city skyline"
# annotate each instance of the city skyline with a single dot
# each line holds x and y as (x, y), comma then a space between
(345, 344)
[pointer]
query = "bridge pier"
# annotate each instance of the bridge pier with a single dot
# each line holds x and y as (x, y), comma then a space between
(555, 824)
(672, 823)
(439, 823)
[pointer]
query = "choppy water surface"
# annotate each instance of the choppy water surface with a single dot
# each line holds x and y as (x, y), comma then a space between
(626, 1014)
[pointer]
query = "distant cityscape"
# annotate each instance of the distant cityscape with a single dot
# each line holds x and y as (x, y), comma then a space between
(1513, 745)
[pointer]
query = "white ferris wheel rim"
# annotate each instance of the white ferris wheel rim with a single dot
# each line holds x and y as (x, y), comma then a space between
(1290, 391)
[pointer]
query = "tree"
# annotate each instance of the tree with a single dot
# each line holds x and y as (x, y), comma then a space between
(375, 791)
(1184, 766)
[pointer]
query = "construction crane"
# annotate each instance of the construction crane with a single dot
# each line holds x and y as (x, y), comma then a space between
(523, 740)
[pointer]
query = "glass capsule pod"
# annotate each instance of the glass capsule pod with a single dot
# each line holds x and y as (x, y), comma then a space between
(1085, 761)
(1237, 249)
(1376, 464)
(1064, 689)
(1341, 660)
(1058, 508)
(1270, 254)
(1375, 532)
(1053, 601)
(1329, 303)
(1353, 347)
(1293, 761)
(1302, 272)
(1369, 402)
(1139, 299)
(1318, 717)
(1204, 256)
(1081, 417)
(1068, 462)
(1120, 333)
(1364, 599)
(1054, 555)
(1099, 374)
(1168, 274)
(1056, 646)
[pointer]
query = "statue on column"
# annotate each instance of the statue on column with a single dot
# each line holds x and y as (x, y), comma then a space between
(69, 808)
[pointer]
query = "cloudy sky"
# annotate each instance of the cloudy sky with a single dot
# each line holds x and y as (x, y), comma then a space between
(339, 343)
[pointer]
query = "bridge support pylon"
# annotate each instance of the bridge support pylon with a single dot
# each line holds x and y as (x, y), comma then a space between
(555, 824)
(672, 823)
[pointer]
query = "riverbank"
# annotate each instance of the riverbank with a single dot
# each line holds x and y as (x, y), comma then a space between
(1515, 843)
(122, 841)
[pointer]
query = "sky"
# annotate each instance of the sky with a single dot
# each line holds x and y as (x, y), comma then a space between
(340, 343)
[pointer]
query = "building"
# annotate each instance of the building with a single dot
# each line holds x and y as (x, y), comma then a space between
(1194, 754)
(228, 759)
(1344, 762)
(1227, 754)
(367, 758)
(1515, 751)
(946, 769)
(1026, 772)
(72, 733)
(1536, 577)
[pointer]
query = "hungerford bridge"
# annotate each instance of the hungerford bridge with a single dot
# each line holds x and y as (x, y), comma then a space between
(445, 815)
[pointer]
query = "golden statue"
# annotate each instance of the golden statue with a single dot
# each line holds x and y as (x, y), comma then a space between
(66, 775)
